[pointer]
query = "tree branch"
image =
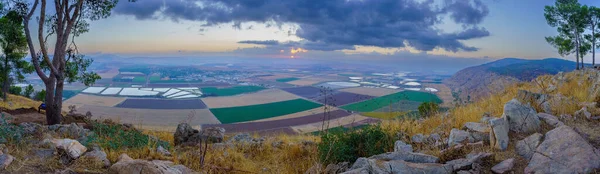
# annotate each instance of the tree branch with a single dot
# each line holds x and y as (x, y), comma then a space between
(43, 47)
(34, 56)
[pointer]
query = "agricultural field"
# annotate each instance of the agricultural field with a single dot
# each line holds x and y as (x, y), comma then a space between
(67, 94)
(139, 79)
(162, 104)
(353, 119)
(262, 111)
(380, 102)
(155, 119)
(342, 98)
(84, 99)
(304, 82)
(308, 92)
(338, 85)
(289, 79)
(377, 92)
(260, 97)
(318, 110)
(283, 123)
(236, 90)
(444, 93)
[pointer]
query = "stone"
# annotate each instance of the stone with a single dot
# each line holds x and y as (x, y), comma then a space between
(535, 99)
(460, 164)
(124, 157)
(504, 166)
(476, 127)
(583, 113)
(526, 147)
(73, 148)
(434, 137)
(365, 165)
(32, 128)
(147, 167)
(214, 134)
(406, 156)
(245, 139)
(44, 153)
(401, 146)
(550, 120)
(6, 160)
(563, 151)
(71, 130)
(336, 168)
(521, 118)
(187, 136)
(459, 137)
(161, 150)
(499, 133)
(419, 138)
(98, 155)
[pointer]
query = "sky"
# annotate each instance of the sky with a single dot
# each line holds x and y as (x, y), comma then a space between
(345, 29)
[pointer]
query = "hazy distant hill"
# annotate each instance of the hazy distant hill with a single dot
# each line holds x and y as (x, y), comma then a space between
(481, 80)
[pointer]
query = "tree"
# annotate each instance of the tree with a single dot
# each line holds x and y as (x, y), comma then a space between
(593, 20)
(427, 109)
(65, 63)
(569, 18)
(15, 90)
(14, 46)
(28, 91)
(40, 96)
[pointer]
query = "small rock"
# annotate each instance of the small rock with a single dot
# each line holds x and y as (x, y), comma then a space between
(143, 166)
(99, 156)
(583, 113)
(459, 137)
(277, 144)
(550, 120)
(504, 166)
(526, 147)
(124, 157)
(419, 138)
(460, 164)
(434, 137)
(401, 146)
(161, 150)
(476, 127)
(521, 118)
(6, 160)
(499, 133)
(44, 153)
(406, 156)
(336, 168)
(73, 148)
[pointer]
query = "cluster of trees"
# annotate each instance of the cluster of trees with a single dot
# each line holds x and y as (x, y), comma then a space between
(58, 21)
(578, 29)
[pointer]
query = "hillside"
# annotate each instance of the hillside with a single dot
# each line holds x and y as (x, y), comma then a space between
(482, 80)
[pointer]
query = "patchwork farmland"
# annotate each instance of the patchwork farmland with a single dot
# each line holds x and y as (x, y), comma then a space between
(262, 111)
(380, 102)
(140, 103)
(213, 91)
(260, 97)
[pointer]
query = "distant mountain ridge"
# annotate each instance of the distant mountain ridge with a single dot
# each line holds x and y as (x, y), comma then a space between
(480, 81)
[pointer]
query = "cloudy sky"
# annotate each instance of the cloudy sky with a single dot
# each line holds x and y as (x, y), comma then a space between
(313, 28)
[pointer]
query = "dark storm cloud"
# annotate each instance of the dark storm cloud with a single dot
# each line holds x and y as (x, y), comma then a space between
(342, 23)
(260, 42)
(319, 46)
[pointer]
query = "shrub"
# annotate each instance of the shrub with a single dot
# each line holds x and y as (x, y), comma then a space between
(40, 96)
(15, 90)
(28, 91)
(115, 136)
(9, 132)
(427, 109)
(341, 146)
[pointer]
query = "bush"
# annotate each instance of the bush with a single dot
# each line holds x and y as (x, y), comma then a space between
(15, 90)
(341, 146)
(427, 109)
(40, 96)
(115, 136)
(28, 91)
(9, 132)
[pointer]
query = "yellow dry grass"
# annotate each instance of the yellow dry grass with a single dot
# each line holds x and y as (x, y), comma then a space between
(17, 102)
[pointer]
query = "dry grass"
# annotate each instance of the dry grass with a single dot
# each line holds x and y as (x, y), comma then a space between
(17, 102)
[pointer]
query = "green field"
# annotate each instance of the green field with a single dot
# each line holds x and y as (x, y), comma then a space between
(262, 111)
(154, 78)
(67, 94)
(289, 79)
(383, 101)
(139, 80)
(212, 91)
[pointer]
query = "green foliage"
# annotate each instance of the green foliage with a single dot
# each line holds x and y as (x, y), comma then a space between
(9, 132)
(40, 96)
(383, 101)
(427, 109)
(115, 136)
(262, 111)
(344, 146)
(28, 91)
(14, 48)
(15, 90)
(212, 91)
(570, 19)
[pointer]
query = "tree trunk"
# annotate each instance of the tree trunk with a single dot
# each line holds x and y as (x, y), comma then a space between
(6, 84)
(577, 49)
(52, 112)
(593, 45)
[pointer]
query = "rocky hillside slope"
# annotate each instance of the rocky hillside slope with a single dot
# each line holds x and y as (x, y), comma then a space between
(480, 81)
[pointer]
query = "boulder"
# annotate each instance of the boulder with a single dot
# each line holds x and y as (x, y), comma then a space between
(98, 155)
(32, 128)
(187, 136)
(72, 148)
(127, 165)
(336, 168)
(401, 146)
(71, 130)
(244, 139)
(563, 151)
(434, 137)
(406, 156)
(419, 138)
(459, 137)
(583, 113)
(526, 147)
(504, 166)
(161, 150)
(521, 118)
(499, 133)
(550, 120)
(535, 99)
(365, 165)
(476, 127)
(6, 160)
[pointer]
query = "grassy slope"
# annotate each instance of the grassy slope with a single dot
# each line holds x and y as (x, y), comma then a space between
(262, 111)
(231, 91)
(383, 101)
